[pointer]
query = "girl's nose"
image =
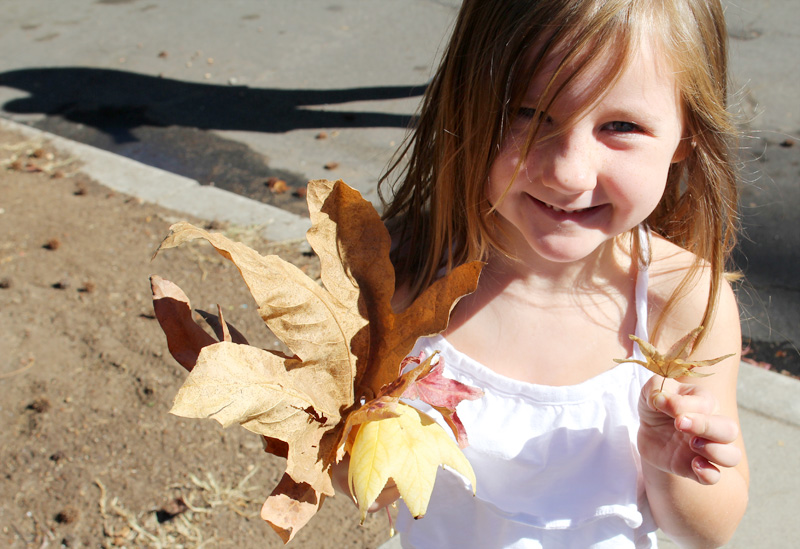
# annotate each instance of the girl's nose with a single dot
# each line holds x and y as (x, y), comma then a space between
(569, 162)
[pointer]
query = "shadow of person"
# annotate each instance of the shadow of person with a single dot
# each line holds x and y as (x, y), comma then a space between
(116, 102)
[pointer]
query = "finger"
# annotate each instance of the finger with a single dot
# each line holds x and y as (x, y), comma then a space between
(655, 385)
(704, 471)
(389, 495)
(713, 428)
(686, 402)
(723, 455)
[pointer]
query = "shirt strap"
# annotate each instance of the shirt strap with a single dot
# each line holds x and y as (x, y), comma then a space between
(642, 279)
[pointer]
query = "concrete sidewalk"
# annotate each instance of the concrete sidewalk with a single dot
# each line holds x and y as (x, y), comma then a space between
(769, 402)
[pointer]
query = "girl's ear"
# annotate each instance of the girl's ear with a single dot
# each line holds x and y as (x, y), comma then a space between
(685, 147)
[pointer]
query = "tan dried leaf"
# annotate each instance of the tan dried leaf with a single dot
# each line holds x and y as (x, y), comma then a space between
(674, 363)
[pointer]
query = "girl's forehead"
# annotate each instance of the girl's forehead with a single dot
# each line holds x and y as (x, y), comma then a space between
(586, 76)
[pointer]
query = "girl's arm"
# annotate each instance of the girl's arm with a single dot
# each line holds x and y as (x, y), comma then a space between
(693, 456)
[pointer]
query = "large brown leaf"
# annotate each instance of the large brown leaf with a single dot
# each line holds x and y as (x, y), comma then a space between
(361, 255)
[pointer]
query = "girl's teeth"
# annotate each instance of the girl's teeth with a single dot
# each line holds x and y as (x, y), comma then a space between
(564, 211)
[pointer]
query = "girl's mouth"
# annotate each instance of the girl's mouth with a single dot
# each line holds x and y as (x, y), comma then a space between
(562, 214)
(559, 210)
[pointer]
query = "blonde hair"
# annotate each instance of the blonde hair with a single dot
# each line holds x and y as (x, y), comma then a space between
(439, 212)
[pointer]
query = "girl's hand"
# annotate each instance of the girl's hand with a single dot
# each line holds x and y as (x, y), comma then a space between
(389, 495)
(681, 434)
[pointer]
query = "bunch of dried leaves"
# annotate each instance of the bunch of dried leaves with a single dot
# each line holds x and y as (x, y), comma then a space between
(339, 392)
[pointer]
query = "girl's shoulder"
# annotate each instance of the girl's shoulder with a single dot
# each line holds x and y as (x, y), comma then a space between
(680, 284)
(669, 266)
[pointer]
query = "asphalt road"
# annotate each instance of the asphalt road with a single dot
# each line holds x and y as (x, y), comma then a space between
(233, 93)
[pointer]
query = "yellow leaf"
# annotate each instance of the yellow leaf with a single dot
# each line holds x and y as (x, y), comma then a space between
(408, 449)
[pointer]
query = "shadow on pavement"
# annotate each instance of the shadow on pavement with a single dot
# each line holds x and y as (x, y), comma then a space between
(162, 122)
(118, 101)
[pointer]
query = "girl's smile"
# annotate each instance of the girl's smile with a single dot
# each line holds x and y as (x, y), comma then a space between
(567, 213)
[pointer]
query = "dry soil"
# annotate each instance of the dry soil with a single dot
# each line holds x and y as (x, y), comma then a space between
(90, 455)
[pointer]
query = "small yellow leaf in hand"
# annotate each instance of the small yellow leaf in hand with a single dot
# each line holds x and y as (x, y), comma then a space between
(673, 364)
(408, 449)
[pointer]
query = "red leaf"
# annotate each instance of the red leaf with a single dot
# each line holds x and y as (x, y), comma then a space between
(444, 395)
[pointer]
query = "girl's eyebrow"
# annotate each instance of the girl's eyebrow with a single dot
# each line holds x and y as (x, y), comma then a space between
(644, 116)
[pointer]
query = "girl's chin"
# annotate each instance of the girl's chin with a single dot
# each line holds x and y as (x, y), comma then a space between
(566, 249)
(539, 239)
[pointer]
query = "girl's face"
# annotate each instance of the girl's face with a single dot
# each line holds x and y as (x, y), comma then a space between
(603, 175)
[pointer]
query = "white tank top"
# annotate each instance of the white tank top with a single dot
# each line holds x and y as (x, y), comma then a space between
(555, 466)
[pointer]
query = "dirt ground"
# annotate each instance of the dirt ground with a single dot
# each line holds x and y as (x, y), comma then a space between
(90, 455)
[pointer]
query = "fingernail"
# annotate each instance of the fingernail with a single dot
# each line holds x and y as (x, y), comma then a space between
(698, 443)
(684, 424)
(659, 401)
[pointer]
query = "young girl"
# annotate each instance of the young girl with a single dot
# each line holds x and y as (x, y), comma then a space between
(579, 148)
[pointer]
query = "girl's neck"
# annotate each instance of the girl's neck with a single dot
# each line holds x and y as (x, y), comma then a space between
(549, 282)
(525, 310)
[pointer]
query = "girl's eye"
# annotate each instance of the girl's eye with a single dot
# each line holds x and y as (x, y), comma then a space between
(623, 127)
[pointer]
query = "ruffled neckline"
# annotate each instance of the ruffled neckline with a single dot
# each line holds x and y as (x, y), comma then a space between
(462, 365)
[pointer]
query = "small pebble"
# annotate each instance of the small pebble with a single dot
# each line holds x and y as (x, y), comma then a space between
(62, 284)
(88, 287)
(277, 185)
(40, 405)
(67, 516)
(305, 249)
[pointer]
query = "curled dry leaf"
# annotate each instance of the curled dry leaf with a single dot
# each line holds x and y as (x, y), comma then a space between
(346, 340)
(674, 363)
